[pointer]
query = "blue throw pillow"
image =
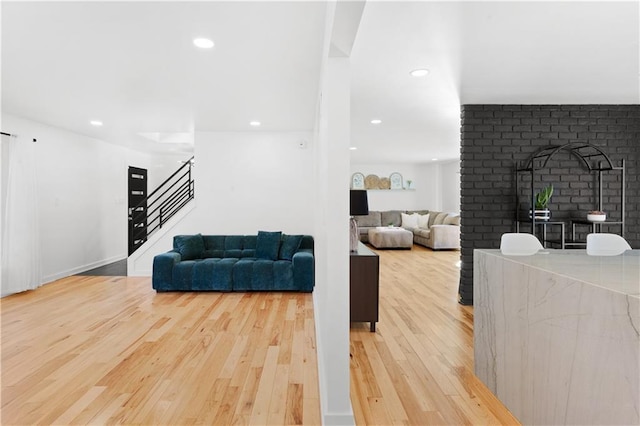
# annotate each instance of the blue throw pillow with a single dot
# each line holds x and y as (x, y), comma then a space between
(189, 246)
(289, 247)
(268, 245)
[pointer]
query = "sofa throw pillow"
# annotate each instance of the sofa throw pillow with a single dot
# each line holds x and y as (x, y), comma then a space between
(423, 221)
(189, 246)
(409, 220)
(289, 246)
(268, 245)
(452, 219)
(440, 218)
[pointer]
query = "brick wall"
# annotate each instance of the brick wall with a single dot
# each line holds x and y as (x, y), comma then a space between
(494, 137)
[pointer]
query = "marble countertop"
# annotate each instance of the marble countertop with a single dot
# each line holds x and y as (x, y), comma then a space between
(618, 273)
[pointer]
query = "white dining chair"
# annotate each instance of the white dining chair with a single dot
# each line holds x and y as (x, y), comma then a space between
(519, 244)
(606, 245)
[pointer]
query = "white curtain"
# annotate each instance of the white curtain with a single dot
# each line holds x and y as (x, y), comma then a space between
(21, 234)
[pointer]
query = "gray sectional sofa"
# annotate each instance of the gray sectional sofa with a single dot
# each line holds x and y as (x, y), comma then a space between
(442, 231)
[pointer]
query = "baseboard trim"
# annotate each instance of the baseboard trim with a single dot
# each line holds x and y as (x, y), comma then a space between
(140, 273)
(79, 269)
(331, 419)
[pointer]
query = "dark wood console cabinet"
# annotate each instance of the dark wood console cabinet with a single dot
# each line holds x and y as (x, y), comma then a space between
(364, 284)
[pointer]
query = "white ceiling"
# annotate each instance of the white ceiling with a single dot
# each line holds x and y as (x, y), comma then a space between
(133, 66)
(481, 52)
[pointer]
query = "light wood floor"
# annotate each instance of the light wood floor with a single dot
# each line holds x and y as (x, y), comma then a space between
(107, 350)
(417, 368)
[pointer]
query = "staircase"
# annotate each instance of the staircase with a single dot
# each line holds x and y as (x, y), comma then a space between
(159, 206)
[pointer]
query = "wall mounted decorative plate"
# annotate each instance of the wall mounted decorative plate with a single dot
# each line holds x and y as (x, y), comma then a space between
(384, 183)
(371, 182)
(357, 181)
(396, 180)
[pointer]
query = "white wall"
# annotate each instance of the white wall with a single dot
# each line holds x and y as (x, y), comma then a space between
(159, 166)
(429, 182)
(82, 196)
(450, 179)
(4, 169)
(436, 186)
(244, 183)
(254, 181)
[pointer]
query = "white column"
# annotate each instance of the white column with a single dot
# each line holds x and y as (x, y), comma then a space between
(331, 294)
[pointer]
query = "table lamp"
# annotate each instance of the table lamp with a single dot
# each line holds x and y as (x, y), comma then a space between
(358, 206)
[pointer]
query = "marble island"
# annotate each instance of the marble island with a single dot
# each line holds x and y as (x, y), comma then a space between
(557, 335)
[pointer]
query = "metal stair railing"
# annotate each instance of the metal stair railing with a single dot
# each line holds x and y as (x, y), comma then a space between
(164, 202)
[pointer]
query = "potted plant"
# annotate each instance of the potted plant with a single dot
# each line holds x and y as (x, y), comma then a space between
(542, 199)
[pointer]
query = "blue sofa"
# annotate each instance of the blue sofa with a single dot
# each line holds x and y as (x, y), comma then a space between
(269, 261)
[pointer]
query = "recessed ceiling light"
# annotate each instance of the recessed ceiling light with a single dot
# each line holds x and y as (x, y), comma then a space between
(96, 122)
(203, 43)
(419, 72)
(434, 159)
(376, 121)
(254, 123)
(353, 148)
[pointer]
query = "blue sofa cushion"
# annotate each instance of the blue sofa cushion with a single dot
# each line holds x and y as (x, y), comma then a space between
(224, 246)
(289, 246)
(241, 275)
(237, 253)
(212, 254)
(262, 276)
(213, 274)
(213, 246)
(249, 242)
(268, 245)
(283, 275)
(182, 273)
(233, 242)
(248, 253)
(163, 265)
(190, 247)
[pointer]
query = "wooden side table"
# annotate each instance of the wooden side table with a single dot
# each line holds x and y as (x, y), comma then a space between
(364, 270)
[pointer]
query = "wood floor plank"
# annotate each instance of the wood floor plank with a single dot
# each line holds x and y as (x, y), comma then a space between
(279, 396)
(421, 356)
(293, 415)
(78, 406)
(394, 408)
(262, 401)
(101, 415)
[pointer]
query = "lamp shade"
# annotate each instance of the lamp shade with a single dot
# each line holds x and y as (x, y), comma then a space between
(359, 205)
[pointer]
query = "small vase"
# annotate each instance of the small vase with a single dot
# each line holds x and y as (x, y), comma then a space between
(541, 214)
